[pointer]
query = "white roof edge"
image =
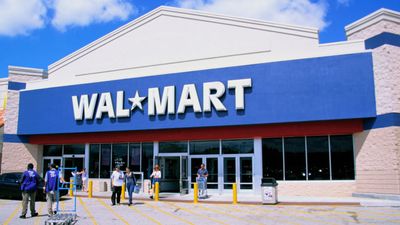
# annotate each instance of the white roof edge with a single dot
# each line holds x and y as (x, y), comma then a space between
(381, 14)
(242, 19)
(120, 31)
(342, 42)
(4, 80)
(26, 71)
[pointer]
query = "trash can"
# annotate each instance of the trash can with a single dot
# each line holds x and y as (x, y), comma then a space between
(269, 194)
(102, 186)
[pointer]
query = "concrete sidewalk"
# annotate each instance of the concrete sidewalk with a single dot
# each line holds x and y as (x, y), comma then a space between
(250, 198)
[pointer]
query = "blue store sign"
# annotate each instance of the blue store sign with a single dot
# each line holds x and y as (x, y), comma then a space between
(326, 88)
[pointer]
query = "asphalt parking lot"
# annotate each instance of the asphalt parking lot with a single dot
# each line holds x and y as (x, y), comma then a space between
(99, 211)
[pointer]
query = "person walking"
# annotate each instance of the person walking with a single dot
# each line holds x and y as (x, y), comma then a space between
(202, 175)
(117, 179)
(130, 182)
(29, 182)
(50, 187)
(156, 175)
(84, 179)
(202, 172)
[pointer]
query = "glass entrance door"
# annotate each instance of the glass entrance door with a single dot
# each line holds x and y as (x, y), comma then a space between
(50, 160)
(73, 162)
(238, 169)
(229, 172)
(174, 173)
(211, 163)
(183, 180)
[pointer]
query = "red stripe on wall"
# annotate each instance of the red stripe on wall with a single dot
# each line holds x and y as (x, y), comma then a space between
(209, 133)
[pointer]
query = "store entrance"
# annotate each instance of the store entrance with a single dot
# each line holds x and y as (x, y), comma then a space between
(47, 161)
(70, 163)
(211, 163)
(238, 169)
(174, 176)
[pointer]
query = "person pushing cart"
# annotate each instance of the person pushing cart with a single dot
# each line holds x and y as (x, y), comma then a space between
(202, 175)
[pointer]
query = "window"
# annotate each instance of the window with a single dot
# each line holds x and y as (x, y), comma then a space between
(229, 172)
(295, 158)
(105, 158)
(272, 155)
(246, 173)
(119, 156)
(237, 146)
(327, 158)
(94, 161)
(52, 150)
(318, 158)
(134, 157)
(204, 147)
(342, 157)
(11, 178)
(172, 147)
(74, 149)
(147, 159)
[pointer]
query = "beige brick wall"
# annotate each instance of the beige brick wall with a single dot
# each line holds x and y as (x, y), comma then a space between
(16, 157)
(317, 188)
(378, 150)
(376, 29)
(386, 64)
(387, 78)
(378, 161)
(11, 115)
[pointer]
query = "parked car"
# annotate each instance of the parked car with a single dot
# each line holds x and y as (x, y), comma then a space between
(10, 184)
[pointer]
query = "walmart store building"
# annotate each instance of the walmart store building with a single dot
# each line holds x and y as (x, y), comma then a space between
(248, 98)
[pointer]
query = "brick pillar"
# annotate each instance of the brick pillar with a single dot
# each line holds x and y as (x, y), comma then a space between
(378, 147)
(17, 152)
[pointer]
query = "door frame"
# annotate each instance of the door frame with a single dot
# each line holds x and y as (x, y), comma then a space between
(237, 169)
(52, 158)
(179, 155)
(204, 160)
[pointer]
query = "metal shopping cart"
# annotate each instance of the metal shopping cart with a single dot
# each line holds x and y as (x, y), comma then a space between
(64, 216)
(202, 182)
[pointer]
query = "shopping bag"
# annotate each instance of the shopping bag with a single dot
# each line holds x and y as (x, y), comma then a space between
(137, 189)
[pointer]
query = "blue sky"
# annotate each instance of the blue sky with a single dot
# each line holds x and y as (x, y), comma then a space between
(36, 33)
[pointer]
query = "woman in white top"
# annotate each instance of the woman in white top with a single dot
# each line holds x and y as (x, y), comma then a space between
(84, 179)
(156, 175)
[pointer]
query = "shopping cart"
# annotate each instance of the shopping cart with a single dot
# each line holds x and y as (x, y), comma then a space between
(202, 183)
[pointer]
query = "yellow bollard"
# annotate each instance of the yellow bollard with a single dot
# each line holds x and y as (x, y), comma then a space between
(123, 191)
(195, 193)
(90, 189)
(234, 192)
(157, 192)
(71, 186)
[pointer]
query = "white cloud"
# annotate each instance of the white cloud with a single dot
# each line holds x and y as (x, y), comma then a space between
(344, 2)
(68, 13)
(19, 17)
(299, 12)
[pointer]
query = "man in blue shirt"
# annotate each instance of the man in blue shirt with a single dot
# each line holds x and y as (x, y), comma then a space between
(202, 172)
(51, 184)
(29, 182)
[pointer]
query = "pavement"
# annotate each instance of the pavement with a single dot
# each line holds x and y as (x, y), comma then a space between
(251, 198)
(99, 211)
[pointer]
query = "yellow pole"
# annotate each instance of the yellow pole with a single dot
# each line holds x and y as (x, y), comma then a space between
(157, 191)
(234, 191)
(195, 193)
(71, 186)
(90, 191)
(123, 191)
